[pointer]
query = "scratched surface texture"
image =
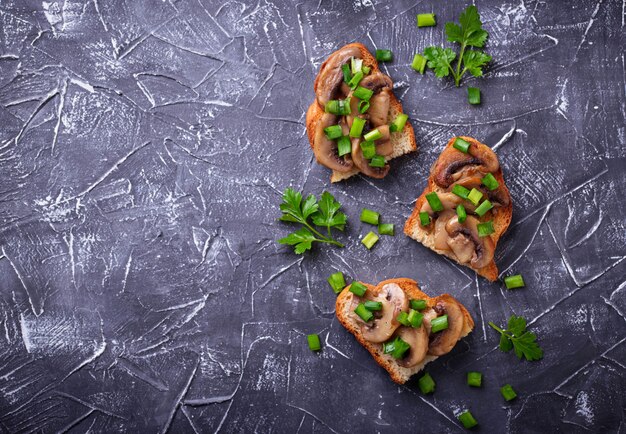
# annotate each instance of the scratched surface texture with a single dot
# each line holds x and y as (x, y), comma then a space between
(144, 146)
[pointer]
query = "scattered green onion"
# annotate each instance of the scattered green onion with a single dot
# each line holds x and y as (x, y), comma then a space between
(314, 342)
(347, 75)
(415, 318)
(344, 146)
(513, 282)
(384, 55)
(364, 106)
(467, 419)
(357, 288)
(363, 93)
(474, 379)
(403, 318)
(418, 304)
(474, 196)
(490, 182)
(369, 149)
(377, 161)
(461, 213)
(398, 123)
(473, 95)
(438, 324)
(460, 191)
(356, 65)
(357, 127)
(365, 314)
(434, 202)
(369, 240)
(461, 145)
(337, 281)
(373, 135)
(355, 80)
(396, 348)
(386, 229)
(373, 305)
(338, 107)
(424, 218)
(333, 132)
(483, 208)
(419, 63)
(369, 216)
(426, 384)
(366, 69)
(426, 20)
(485, 229)
(507, 392)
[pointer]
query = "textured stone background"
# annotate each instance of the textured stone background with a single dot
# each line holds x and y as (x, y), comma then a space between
(144, 145)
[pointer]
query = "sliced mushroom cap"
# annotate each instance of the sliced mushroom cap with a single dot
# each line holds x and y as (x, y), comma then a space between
(497, 197)
(461, 233)
(325, 150)
(382, 327)
(384, 146)
(453, 164)
(363, 164)
(449, 201)
(376, 82)
(442, 342)
(417, 338)
(330, 77)
(441, 234)
(379, 107)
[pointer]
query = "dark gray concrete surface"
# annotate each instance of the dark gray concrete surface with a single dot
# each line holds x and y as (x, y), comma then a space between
(144, 146)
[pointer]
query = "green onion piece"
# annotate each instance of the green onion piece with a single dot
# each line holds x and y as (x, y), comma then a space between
(418, 304)
(415, 318)
(373, 305)
(338, 107)
(373, 135)
(461, 214)
(424, 218)
(398, 123)
(363, 93)
(473, 95)
(426, 20)
(461, 145)
(485, 229)
(483, 208)
(386, 229)
(460, 191)
(347, 75)
(333, 132)
(356, 64)
(357, 288)
(439, 323)
(434, 202)
(357, 127)
(474, 379)
(377, 161)
(364, 106)
(403, 318)
(384, 55)
(365, 314)
(355, 80)
(344, 146)
(507, 392)
(314, 342)
(474, 196)
(369, 149)
(490, 182)
(337, 282)
(513, 282)
(467, 419)
(369, 216)
(369, 240)
(365, 69)
(396, 348)
(426, 384)
(419, 63)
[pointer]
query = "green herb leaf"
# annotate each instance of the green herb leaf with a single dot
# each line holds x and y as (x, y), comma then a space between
(516, 337)
(302, 239)
(474, 60)
(516, 325)
(327, 215)
(439, 60)
(471, 32)
(505, 344)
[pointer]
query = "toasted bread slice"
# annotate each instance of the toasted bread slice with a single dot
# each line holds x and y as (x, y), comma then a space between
(403, 142)
(500, 216)
(347, 318)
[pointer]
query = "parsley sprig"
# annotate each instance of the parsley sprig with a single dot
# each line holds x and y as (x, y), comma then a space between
(517, 337)
(309, 212)
(469, 34)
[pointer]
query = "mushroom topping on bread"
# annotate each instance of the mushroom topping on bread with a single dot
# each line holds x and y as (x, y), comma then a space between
(443, 341)
(452, 166)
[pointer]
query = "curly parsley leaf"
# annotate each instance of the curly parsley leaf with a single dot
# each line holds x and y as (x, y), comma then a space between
(439, 60)
(328, 215)
(516, 337)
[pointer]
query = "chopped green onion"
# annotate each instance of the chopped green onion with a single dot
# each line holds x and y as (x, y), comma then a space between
(396, 348)
(419, 63)
(365, 314)
(369, 240)
(461, 213)
(461, 145)
(369, 149)
(426, 20)
(439, 323)
(377, 161)
(403, 318)
(474, 379)
(490, 182)
(337, 281)
(384, 55)
(364, 106)
(485, 229)
(507, 392)
(333, 132)
(473, 95)
(424, 218)
(467, 419)
(418, 304)
(357, 288)
(347, 75)
(355, 80)
(426, 384)
(366, 69)
(460, 191)
(483, 208)
(356, 64)
(344, 146)
(369, 216)
(373, 305)
(314, 342)
(373, 135)
(386, 229)
(434, 202)
(513, 282)
(474, 196)
(398, 123)
(338, 107)
(357, 127)
(415, 318)
(363, 93)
